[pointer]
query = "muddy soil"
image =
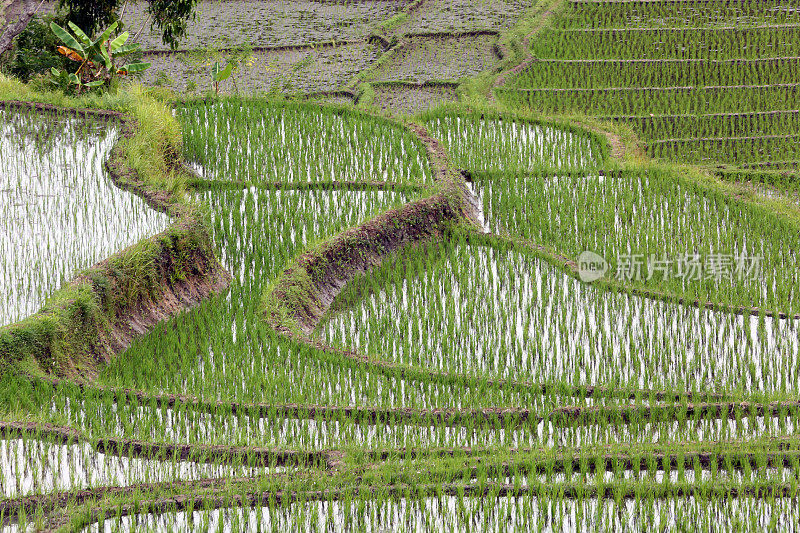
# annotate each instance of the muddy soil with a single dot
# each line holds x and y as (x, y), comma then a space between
(302, 70)
(427, 58)
(261, 23)
(464, 15)
(410, 100)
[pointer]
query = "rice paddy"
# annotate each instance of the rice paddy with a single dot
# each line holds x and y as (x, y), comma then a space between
(492, 144)
(526, 320)
(622, 216)
(54, 192)
(504, 513)
(719, 62)
(232, 142)
(356, 296)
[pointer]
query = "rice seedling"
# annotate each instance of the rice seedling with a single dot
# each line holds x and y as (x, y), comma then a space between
(59, 210)
(261, 142)
(621, 215)
(524, 319)
(701, 81)
(477, 143)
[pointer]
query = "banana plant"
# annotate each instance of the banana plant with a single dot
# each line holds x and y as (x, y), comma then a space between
(220, 74)
(98, 58)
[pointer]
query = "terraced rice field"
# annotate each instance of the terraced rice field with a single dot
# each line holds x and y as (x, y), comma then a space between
(54, 192)
(699, 81)
(371, 308)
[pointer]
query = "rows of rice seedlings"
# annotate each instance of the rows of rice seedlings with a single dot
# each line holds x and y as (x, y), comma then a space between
(262, 141)
(504, 314)
(29, 466)
(603, 73)
(740, 150)
(671, 43)
(113, 414)
(493, 144)
(769, 123)
(776, 185)
(669, 14)
(491, 513)
(674, 58)
(622, 215)
(59, 211)
(638, 100)
(187, 425)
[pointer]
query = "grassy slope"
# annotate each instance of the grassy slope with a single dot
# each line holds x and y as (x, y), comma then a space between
(69, 333)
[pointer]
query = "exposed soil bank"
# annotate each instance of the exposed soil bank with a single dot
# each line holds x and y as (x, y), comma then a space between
(198, 453)
(304, 292)
(97, 314)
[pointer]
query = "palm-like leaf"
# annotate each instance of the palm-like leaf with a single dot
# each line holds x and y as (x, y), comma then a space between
(106, 34)
(117, 43)
(67, 38)
(126, 49)
(132, 68)
(80, 34)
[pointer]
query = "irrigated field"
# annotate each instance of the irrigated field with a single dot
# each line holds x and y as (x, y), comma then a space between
(700, 81)
(356, 296)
